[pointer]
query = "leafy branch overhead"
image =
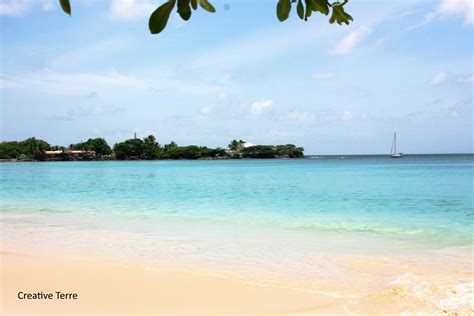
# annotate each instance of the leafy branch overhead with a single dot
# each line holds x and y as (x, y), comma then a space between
(304, 9)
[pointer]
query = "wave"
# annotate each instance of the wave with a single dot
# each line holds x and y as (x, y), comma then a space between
(420, 294)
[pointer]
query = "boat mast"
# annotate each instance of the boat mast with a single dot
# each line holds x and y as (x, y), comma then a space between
(395, 143)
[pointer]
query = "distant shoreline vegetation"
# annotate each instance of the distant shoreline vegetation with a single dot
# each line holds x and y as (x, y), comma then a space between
(148, 148)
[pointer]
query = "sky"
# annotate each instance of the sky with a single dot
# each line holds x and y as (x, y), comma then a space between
(402, 66)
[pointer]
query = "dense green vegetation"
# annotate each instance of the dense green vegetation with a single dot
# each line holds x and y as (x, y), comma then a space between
(29, 149)
(149, 148)
(304, 9)
(99, 145)
(281, 151)
(140, 149)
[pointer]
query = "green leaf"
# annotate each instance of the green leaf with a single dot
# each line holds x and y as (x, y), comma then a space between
(184, 9)
(320, 6)
(300, 9)
(339, 15)
(159, 18)
(194, 4)
(207, 6)
(66, 6)
(283, 9)
(309, 9)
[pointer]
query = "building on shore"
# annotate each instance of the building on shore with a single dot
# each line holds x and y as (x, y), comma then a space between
(55, 155)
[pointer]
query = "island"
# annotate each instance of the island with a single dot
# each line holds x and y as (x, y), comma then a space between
(148, 148)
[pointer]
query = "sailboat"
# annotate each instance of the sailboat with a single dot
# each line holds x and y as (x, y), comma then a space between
(393, 151)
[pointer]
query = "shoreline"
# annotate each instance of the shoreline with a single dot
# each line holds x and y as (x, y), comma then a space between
(111, 282)
(305, 157)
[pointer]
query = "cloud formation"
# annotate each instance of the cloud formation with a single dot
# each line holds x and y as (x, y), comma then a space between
(131, 10)
(439, 78)
(463, 8)
(260, 107)
(449, 8)
(347, 116)
(300, 116)
(72, 83)
(349, 42)
(466, 79)
(443, 77)
(19, 8)
(79, 84)
(205, 109)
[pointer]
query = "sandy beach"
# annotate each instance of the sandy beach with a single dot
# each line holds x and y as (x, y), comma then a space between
(108, 286)
(104, 286)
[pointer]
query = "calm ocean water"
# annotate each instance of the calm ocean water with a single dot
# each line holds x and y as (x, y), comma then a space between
(422, 198)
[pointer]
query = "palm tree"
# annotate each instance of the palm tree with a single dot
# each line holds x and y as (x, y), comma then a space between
(236, 145)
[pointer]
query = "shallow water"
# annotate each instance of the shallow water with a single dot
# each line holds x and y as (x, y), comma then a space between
(422, 198)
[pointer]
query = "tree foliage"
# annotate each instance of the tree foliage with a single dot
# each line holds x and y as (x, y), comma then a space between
(99, 145)
(192, 152)
(304, 8)
(130, 149)
(142, 149)
(29, 149)
(236, 145)
(269, 151)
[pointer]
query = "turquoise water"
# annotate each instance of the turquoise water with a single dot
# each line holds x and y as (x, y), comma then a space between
(427, 199)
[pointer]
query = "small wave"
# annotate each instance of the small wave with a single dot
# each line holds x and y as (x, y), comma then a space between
(424, 295)
(445, 295)
(409, 232)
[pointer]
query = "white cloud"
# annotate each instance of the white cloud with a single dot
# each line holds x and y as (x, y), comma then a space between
(131, 10)
(439, 78)
(464, 8)
(72, 83)
(347, 116)
(461, 109)
(301, 116)
(15, 8)
(80, 84)
(442, 77)
(19, 8)
(47, 5)
(447, 8)
(348, 43)
(222, 95)
(466, 79)
(323, 75)
(429, 17)
(383, 40)
(205, 109)
(260, 107)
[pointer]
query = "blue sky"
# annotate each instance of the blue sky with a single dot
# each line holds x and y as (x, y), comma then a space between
(404, 66)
